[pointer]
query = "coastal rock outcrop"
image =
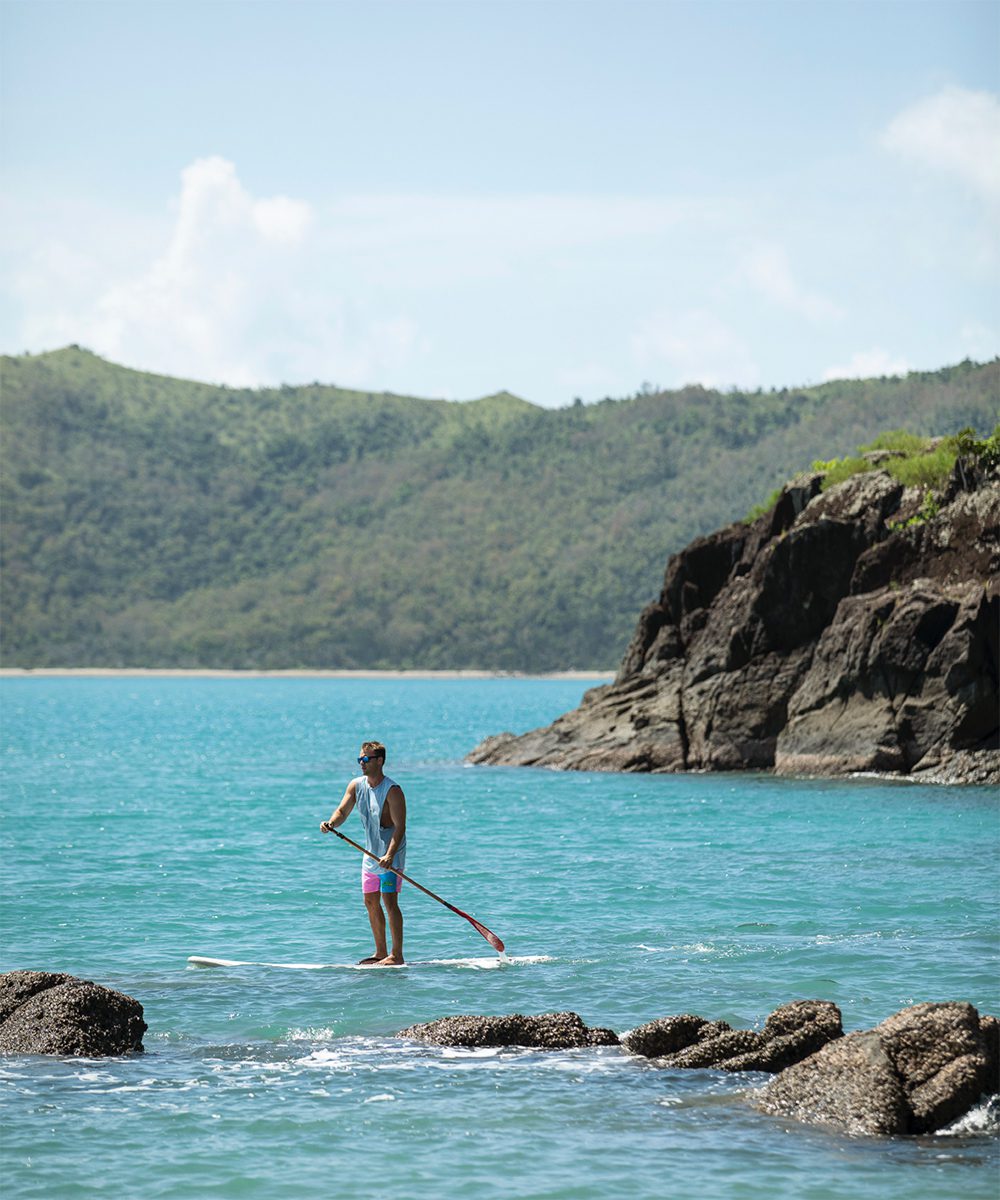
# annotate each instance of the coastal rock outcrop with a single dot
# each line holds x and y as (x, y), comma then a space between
(548, 1031)
(853, 629)
(791, 1033)
(915, 1073)
(48, 1013)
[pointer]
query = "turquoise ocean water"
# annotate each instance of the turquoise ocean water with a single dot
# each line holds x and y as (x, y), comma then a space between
(146, 820)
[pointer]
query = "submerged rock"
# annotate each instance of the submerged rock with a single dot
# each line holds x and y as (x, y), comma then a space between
(830, 636)
(47, 1013)
(791, 1033)
(917, 1072)
(548, 1031)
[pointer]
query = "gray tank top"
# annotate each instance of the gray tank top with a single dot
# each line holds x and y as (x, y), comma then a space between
(369, 802)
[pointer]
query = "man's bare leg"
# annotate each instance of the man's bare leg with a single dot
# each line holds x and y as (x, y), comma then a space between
(377, 919)
(395, 915)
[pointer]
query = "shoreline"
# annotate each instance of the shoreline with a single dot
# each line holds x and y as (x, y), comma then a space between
(293, 673)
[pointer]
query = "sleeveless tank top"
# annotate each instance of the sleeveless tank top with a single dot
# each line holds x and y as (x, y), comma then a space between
(369, 802)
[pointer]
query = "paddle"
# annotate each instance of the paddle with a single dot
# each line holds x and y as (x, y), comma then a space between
(478, 926)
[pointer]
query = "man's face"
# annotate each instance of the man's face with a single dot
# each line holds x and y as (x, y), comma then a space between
(372, 766)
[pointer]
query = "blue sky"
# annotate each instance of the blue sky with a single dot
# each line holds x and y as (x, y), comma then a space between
(561, 198)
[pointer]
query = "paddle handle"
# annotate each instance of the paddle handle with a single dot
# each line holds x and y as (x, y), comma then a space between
(480, 928)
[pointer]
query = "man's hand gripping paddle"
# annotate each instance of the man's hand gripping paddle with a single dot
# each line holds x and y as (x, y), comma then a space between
(478, 926)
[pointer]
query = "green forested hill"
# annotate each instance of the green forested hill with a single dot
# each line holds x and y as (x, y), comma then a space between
(150, 521)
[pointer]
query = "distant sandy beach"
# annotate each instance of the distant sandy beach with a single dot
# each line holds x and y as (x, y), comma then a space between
(158, 672)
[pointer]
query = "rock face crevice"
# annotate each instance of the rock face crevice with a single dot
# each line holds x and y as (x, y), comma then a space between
(846, 630)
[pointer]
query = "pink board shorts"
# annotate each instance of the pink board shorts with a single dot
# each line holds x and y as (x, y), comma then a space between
(380, 883)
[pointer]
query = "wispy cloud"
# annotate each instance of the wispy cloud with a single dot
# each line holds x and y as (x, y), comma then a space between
(233, 296)
(590, 380)
(866, 364)
(766, 269)
(550, 295)
(979, 341)
(955, 131)
(248, 290)
(695, 347)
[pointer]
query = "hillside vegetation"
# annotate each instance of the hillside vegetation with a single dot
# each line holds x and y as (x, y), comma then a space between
(150, 521)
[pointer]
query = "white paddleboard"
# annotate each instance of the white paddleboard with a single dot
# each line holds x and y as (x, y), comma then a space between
(478, 964)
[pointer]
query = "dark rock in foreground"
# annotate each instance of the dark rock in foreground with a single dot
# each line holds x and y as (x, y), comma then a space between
(831, 636)
(790, 1034)
(549, 1031)
(46, 1013)
(915, 1073)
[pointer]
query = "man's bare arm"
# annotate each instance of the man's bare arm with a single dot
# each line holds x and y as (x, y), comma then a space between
(342, 811)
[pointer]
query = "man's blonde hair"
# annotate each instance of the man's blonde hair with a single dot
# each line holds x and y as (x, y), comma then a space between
(375, 749)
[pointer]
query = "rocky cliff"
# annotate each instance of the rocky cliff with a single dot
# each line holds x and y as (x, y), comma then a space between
(848, 629)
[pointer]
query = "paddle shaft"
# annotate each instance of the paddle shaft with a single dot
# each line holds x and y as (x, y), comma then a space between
(491, 937)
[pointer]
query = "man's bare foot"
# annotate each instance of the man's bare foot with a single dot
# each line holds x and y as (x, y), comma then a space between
(371, 960)
(390, 960)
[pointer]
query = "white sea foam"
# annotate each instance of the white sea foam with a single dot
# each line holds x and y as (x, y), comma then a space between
(359, 1053)
(983, 1120)
(333, 1059)
(486, 964)
(827, 939)
(584, 1060)
(691, 948)
(587, 1062)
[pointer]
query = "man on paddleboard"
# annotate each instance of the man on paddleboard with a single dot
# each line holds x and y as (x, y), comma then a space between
(382, 807)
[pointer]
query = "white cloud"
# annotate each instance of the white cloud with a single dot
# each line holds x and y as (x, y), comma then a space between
(766, 269)
(249, 290)
(235, 296)
(528, 221)
(215, 210)
(868, 364)
(979, 341)
(956, 131)
(225, 285)
(196, 306)
(697, 347)
(281, 219)
(590, 380)
(424, 242)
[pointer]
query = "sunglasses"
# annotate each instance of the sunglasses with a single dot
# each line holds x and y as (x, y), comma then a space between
(367, 758)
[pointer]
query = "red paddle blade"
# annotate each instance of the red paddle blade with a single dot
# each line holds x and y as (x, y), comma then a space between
(490, 936)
